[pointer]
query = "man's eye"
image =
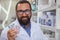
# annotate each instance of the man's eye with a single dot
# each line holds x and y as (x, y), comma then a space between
(20, 10)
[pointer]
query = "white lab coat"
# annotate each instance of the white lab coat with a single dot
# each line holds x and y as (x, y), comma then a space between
(36, 33)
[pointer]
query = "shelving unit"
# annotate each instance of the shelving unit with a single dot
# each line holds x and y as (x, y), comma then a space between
(49, 6)
(48, 28)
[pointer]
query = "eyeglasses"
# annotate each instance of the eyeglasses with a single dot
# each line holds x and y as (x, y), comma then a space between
(25, 11)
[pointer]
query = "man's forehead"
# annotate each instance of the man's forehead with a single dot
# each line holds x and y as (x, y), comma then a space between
(23, 6)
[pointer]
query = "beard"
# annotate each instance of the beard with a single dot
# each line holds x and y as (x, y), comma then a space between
(24, 20)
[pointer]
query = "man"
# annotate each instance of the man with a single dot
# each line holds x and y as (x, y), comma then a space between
(25, 29)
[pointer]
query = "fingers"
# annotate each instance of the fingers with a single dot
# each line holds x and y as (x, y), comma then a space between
(12, 33)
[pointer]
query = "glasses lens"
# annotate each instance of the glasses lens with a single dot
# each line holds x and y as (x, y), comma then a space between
(25, 11)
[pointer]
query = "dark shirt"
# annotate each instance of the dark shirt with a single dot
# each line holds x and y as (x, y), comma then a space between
(27, 29)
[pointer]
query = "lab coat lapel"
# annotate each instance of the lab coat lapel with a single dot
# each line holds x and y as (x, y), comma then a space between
(22, 34)
(34, 31)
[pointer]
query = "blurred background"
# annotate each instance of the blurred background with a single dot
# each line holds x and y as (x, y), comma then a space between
(46, 13)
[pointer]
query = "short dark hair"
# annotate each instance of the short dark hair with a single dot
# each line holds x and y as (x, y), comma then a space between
(21, 2)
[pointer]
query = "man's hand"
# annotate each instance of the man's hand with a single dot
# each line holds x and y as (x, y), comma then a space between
(12, 33)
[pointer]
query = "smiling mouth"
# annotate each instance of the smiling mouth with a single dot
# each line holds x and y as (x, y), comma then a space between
(25, 19)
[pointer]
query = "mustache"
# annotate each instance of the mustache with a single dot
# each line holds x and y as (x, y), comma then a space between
(25, 17)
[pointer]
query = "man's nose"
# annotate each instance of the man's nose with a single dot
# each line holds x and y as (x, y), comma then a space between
(24, 14)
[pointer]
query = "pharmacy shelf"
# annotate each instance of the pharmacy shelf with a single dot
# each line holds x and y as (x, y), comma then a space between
(52, 28)
(50, 6)
(48, 27)
(47, 8)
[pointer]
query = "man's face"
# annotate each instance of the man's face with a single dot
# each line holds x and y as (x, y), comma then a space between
(23, 13)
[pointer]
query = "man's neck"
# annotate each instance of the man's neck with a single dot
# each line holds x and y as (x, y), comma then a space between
(26, 26)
